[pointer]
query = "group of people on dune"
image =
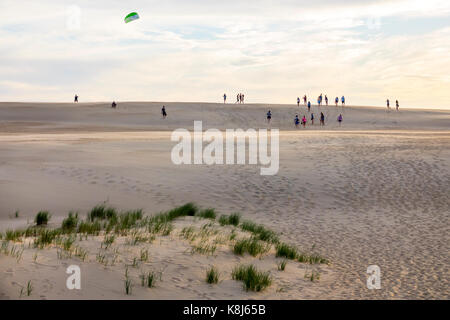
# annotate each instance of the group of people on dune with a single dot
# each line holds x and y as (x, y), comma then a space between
(297, 121)
(397, 104)
(304, 121)
(320, 100)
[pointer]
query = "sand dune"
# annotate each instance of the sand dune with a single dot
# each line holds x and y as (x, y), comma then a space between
(373, 191)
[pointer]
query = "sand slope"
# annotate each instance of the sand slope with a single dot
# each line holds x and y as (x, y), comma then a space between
(374, 191)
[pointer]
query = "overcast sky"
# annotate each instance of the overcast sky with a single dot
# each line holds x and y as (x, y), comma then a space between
(183, 50)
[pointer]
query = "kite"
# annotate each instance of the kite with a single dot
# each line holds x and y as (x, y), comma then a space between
(131, 17)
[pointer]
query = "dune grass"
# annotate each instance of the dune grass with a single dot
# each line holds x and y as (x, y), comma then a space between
(232, 219)
(281, 265)
(42, 218)
(286, 251)
(207, 214)
(252, 278)
(149, 279)
(253, 246)
(128, 286)
(290, 252)
(260, 232)
(212, 275)
(102, 212)
(204, 248)
(70, 223)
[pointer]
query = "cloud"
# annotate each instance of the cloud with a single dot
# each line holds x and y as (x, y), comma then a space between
(196, 50)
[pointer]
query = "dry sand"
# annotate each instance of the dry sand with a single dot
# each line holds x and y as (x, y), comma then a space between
(374, 191)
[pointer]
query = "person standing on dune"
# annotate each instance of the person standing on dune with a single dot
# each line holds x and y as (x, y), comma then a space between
(163, 112)
(343, 100)
(312, 118)
(304, 121)
(309, 106)
(237, 98)
(224, 98)
(340, 119)
(75, 100)
(388, 104)
(336, 101)
(304, 99)
(326, 100)
(242, 98)
(298, 101)
(296, 121)
(397, 105)
(322, 119)
(269, 116)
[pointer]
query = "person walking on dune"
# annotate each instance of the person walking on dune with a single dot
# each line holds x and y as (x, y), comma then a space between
(224, 98)
(339, 119)
(309, 106)
(304, 121)
(322, 119)
(242, 96)
(312, 118)
(75, 100)
(336, 101)
(388, 104)
(343, 101)
(304, 99)
(269, 116)
(163, 112)
(326, 100)
(298, 101)
(237, 98)
(296, 121)
(397, 105)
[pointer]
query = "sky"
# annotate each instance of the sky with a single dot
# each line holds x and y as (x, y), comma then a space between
(184, 50)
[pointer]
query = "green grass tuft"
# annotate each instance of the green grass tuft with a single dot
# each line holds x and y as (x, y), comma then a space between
(212, 275)
(42, 218)
(260, 232)
(286, 251)
(70, 223)
(207, 214)
(252, 279)
(232, 219)
(252, 246)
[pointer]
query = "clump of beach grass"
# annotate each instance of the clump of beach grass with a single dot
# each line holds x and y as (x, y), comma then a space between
(286, 251)
(290, 252)
(144, 255)
(28, 289)
(252, 278)
(46, 237)
(260, 232)
(232, 219)
(207, 214)
(128, 286)
(102, 212)
(108, 241)
(212, 275)
(88, 227)
(42, 218)
(70, 223)
(204, 248)
(313, 276)
(149, 279)
(281, 265)
(253, 246)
